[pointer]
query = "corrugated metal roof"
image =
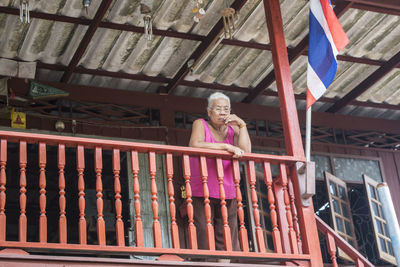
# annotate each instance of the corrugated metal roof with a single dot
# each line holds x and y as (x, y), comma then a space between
(373, 36)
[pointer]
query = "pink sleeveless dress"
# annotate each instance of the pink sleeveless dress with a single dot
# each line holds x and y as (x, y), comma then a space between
(212, 181)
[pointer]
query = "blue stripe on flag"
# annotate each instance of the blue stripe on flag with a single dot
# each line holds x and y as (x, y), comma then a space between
(320, 54)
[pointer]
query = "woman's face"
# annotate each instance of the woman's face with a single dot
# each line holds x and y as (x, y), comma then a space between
(219, 110)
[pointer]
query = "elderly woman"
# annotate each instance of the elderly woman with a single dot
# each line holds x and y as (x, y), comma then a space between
(223, 131)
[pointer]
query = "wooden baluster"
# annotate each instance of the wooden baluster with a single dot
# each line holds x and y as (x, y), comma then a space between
(3, 162)
(22, 196)
(207, 208)
(224, 210)
(42, 198)
(244, 243)
(62, 223)
(119, 224)
(331, 245)
(295, 218)
(156, 223)
(101, 225)
(256, 213)
(191, 228)
(276, 235)
(292, 233)
(172, 208)
(136, 197)
(80, 165)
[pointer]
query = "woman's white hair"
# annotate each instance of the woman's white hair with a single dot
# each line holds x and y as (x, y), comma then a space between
(216, 96)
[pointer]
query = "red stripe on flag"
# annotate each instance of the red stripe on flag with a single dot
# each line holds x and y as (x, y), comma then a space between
(310, 99)
(339, 36)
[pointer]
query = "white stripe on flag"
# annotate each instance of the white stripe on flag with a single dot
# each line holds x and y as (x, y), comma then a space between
(315, 85)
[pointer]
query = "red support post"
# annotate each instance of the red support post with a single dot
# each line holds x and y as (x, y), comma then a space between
(136, 197)
(80, 165)
(224, 210)
(244, 242)
(119, 224)
(101, 226)
(172, 207)
(62, 221)
(3, 163)
(207, 208)
(290, 123)
(189, 206)
(42, 198)
(22, 196)
(153, 187)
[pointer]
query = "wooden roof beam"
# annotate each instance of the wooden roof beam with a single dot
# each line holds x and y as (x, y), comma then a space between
(200, 51)
(105, 4)
(293, 54)
(198, 84)
(366, 84)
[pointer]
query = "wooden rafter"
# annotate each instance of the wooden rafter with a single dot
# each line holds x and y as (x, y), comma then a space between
(105, 4)
(294, 54)
(366, 84)
(201, 49)
(198, 84)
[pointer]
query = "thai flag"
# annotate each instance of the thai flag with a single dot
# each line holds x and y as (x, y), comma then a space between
(326, 38)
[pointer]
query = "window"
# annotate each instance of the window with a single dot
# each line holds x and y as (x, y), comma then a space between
(383, 241)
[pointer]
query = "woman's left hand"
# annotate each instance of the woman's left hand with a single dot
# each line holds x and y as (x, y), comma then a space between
(232, 119)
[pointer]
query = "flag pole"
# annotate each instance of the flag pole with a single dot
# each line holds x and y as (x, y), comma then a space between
(308, 134)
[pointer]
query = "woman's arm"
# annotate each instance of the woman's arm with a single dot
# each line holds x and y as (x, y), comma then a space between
(242, 138)
(197, 140)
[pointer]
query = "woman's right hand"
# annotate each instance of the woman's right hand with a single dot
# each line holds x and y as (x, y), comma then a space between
(236, 151)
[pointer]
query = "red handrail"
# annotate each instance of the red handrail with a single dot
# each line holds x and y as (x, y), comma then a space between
(334, 240)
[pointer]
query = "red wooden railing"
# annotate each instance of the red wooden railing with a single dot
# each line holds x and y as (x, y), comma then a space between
(334, 241)
(285, 226)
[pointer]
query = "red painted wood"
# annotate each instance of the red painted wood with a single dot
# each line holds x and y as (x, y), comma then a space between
(191, 227)
(62, 222)
(22, 191)
(101, 225)
(294, 213)
(172, 207)
(42, 198)
(342, 244)
(331, 245)
(244, 243)
(276, 235)
(207, 208)
(287, 102)
(3, 163)
(119, 224)
(289, 216)
(80, 165)
(154, 198)
(136, 197)
(155, 251)
(251, 174)
(224, 210)
(359, 263)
